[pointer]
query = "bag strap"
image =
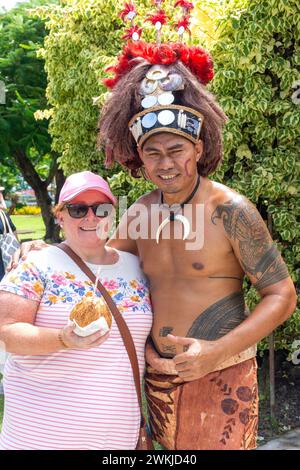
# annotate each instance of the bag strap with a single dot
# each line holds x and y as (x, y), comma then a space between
(124, 330)
(5, 223)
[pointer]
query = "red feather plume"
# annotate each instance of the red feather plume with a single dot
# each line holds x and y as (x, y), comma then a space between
(128, 7)
(184, 4)
(195, 58)
(160, 16)
(129, 32)
(185, 22)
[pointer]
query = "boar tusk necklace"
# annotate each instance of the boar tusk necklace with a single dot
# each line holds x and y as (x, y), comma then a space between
(173, 216)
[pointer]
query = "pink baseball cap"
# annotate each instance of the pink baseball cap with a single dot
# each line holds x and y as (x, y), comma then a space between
(85, 180)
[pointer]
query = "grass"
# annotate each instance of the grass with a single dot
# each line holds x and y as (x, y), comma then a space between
(30, 223)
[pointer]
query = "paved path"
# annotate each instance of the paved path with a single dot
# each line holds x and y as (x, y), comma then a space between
(287, 441)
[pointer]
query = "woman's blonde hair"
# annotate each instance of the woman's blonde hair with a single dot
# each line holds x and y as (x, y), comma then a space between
(58, 208)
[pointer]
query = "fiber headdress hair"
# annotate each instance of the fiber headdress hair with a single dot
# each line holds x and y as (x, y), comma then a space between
(160, 88)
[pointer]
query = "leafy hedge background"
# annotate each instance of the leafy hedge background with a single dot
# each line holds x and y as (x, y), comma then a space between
(255, 47)
(257, 62)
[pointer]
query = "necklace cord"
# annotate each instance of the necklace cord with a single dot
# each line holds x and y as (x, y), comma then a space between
(188, 199)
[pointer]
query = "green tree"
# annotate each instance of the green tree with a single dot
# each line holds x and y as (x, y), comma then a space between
(25, 141)
(9, 175)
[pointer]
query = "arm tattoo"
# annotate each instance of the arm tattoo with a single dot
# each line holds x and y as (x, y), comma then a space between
(270, 269)
(258, 256)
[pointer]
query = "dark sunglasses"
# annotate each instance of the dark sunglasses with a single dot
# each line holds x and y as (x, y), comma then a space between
(77, 211)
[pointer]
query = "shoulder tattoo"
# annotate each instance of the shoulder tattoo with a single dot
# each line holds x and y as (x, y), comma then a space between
(259, 256)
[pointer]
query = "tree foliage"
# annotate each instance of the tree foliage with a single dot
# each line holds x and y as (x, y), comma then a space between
(81, 39)
(257, 59)
(24, 141)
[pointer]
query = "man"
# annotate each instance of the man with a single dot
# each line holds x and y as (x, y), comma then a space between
(161, 119)
(201, 382)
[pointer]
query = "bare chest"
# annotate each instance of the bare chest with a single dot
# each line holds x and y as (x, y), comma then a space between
(205, 252)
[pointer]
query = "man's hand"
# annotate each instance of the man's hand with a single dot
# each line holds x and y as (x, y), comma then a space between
(23, 251)
(201, 358)
(162, 365)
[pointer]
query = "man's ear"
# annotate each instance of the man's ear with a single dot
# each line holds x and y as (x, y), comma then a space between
(199, 149)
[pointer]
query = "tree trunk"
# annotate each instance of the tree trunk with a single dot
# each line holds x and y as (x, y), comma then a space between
(14, 202)
(40, 188)
(59, 180)
(45, 203)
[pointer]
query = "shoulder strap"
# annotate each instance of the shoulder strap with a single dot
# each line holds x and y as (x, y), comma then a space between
(3, 220)
(124, 330)
(6, 225)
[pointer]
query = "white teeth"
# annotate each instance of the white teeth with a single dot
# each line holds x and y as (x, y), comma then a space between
(88, 229)
(168, 177)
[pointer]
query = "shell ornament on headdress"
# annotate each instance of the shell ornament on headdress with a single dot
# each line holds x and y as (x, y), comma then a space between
(159, 110)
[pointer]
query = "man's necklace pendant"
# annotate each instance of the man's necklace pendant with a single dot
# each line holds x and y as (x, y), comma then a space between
(185, 222)
(173, 216)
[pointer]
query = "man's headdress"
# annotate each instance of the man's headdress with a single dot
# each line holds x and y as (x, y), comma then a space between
(157, 84)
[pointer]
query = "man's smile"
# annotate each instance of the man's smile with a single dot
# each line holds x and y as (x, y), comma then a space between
(168, 177)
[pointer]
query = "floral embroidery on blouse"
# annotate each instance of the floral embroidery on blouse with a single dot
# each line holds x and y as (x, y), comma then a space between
(62, 287)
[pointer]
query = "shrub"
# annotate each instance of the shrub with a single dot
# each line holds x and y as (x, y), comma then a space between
(27, 210)
(257, 62)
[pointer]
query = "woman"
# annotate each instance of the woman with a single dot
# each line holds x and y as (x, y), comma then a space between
(63, 391)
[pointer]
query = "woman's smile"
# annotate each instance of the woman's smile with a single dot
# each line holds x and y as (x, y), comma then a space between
(88, 229)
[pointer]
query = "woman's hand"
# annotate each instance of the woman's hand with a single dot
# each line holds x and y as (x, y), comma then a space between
(165, 366)
(72, 341)
(22, 252)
